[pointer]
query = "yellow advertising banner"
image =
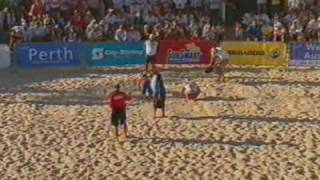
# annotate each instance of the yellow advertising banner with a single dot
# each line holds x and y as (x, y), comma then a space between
(257, 53)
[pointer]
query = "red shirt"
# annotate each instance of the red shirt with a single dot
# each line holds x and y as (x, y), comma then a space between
(78, 22)
(118, 100)
(36, 10)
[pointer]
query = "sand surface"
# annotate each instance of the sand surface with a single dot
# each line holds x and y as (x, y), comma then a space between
(261, 124)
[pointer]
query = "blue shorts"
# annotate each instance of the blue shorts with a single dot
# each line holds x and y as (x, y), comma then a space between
(147, 89)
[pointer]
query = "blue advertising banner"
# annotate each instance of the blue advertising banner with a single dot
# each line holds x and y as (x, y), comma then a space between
(307, 54)
(45, 55)
(115, 54)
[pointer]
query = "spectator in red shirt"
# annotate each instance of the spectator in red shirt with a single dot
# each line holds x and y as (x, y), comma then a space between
(118, 104)
(36, 9)
(78, 21)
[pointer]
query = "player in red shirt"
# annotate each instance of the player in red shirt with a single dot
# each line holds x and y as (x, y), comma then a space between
(118, 104)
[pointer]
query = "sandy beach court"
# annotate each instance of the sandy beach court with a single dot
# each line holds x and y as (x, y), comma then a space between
(260, 124)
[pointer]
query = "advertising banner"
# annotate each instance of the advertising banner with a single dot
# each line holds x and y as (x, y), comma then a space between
(257, 53)
(184, 52)
(5, 56)
(115, 54)
(45, 55)
(305, 54)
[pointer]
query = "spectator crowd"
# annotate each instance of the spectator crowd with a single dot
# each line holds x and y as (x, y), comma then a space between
(135, 20)
(300, 22)
(119, 20)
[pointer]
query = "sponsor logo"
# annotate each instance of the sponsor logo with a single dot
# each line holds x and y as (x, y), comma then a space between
(276, 53)
(191, 53)
(56, 55)
(246, 53)
(102, 53)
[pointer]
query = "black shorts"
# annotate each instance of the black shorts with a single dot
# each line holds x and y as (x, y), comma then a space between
(150, 59)
(118, 117)
(159, 102)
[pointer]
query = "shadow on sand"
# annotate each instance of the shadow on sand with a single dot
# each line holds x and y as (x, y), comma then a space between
(253, 81)
(65, 100)
(177, 94)
(212, 98)
(253, 119)
(184, 142)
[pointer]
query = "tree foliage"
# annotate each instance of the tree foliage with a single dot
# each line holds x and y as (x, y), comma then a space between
(4, 3)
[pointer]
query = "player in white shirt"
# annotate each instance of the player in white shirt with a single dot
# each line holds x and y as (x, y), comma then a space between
(151, 48)
(190, 90)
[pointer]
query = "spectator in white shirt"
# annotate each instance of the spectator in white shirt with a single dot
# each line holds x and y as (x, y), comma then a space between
(96, 33)
(121, 34)
(89, 29)
(294, 4)
(206, 31)
(312, 28)
(21, 29)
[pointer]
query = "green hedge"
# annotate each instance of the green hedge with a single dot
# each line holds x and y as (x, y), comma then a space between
(4, 3)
